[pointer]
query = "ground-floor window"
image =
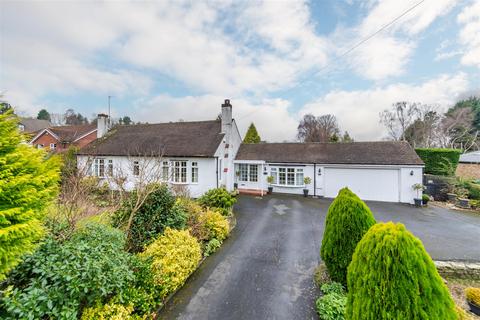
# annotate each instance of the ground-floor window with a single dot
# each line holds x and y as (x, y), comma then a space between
(179, 171)
(248, 172)
(287, 176)
(99, 167)
(194, 172)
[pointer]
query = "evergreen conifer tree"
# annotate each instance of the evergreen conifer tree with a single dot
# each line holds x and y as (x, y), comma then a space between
(28, 184)
(252, 135)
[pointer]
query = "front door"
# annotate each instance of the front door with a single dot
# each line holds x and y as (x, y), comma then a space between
(247, 176)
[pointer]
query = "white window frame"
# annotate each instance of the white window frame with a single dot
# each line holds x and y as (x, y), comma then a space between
(110, 167)
(165, 171)
(246, 170)
(179, 172)
(194, 172)
(53, 146)
(292, 176)
(99, 167)
(136, 168)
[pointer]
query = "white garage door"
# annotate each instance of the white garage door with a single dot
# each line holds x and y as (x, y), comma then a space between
(368, 184)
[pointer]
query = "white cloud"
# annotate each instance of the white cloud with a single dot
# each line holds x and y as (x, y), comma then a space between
(272, 118)
(388, 53)
(470, 34)
(358, 111)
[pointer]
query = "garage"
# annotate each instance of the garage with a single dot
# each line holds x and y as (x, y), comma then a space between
(377, 171)
(367, 183)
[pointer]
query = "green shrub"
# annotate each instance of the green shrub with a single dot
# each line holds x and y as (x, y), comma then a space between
(331, 306)
(28, 184)
(60, 278)
(211, 247)
(392, 277)
(216, 226)
(425, 198)
(108, 312)
(348, 219)
(175, 255)
(442, 162)
(194, 223)
(466, 188)
(141, 292)
(218, 198)
(332, 287)
(158, 212)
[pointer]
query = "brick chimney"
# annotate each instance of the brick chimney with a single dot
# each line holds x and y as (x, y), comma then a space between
(102, 125)
(226, 117)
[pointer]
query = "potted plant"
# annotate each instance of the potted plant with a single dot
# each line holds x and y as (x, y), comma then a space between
(306, 181)
(473, 299)
(418, 187)
(462, 194)
(425, 199)
(270, 182)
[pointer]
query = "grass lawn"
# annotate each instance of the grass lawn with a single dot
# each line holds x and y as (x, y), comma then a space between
(457, 287)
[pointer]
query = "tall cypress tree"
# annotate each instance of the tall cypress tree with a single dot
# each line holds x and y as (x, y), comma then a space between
(252, 135)
(28, 184)
(348, 219)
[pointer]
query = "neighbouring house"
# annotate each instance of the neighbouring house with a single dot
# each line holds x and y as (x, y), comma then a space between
(197, 156)
(381, 171)
(32, 126)
(58, 139)
(469, 165)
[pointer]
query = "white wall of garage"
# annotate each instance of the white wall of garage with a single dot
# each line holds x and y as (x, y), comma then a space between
(378, 183)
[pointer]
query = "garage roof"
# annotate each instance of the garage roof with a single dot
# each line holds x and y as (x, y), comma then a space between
(371, 153)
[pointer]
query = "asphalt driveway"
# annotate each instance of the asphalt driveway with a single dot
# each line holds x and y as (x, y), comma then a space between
(264, 270)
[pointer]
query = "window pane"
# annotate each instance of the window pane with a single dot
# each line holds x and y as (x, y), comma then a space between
(299, 178)
(253, 173)
(291, 176)
(184, 171)
(101, 167)
(110, 168)
(136, 168)
(281, 176)
(243, 168)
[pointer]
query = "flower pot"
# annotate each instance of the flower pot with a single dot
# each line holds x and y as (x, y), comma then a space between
(418, 202)
(270, 190)
(235, 186)
(474, 308)
(463, 203)
(305, 192)
(452, 197)
(425, 201)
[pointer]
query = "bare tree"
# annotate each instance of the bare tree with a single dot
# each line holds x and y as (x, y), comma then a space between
(399, 118)
(317, 129)
(456, 130)
(422, 132)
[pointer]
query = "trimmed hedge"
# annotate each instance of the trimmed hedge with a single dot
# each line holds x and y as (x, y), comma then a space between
(392, 277)
(348, 219)
(439, 161)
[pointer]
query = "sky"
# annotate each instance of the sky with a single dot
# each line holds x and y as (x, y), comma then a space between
(275, 60)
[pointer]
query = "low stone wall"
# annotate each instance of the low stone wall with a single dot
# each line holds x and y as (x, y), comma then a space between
(460, 269)
(468, 170)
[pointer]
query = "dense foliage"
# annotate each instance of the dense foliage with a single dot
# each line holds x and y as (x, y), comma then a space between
(332, 305)
(438, 161)
(28, 184)
(252, 135)
(59, 279)
(218, 198)
(348, 219)
(108, 312)
(392, 277)
(216, 226)
(175, 255)
(158, 212)
(473, 295)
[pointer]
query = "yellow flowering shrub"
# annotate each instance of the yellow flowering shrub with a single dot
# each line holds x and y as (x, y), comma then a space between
(108, 312)
(473, 295)
(215, 225)
(175, 255)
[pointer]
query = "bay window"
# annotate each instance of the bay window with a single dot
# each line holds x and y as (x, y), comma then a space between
(287, 176)
(248, 172)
